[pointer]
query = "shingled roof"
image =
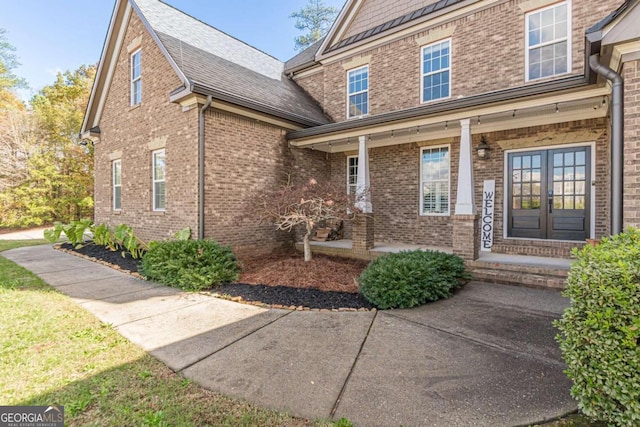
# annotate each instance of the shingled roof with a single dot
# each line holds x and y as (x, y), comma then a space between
(211, 59)
(304, 58)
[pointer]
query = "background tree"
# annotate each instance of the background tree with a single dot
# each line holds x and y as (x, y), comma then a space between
(315, 19)
(306, 204)
(59, 181)
(8, 62)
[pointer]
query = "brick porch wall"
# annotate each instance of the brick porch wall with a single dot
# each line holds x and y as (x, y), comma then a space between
(395, 189)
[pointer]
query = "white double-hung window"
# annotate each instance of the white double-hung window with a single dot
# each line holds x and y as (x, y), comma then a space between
(352, 174)
(136, 77)
(116, 168)
(159, 191)
(548, 41)
(358, 92)
(434, 180)
(436, 71)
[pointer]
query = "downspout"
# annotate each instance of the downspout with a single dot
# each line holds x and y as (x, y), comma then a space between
(617, 141)
(201, 168)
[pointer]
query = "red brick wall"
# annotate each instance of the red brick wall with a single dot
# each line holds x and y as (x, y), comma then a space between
(631, 76)
(130, 129)
(242, 157)
(488, 54)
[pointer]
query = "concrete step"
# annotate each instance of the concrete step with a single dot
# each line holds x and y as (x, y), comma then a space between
(516, 278)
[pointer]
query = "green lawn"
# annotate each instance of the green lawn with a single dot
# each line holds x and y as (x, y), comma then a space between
(55, 353)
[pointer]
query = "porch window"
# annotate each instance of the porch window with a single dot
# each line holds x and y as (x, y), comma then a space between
(436, 71)
(434, 181)
(116, 168)
(548, 41)
(358, 92)
(136, 78)
(158, 180)
(352, 174)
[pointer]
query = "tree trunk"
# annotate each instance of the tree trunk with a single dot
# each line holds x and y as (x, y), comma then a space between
(307, 244)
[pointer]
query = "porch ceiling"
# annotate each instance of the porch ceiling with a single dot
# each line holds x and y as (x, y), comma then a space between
(590, 104)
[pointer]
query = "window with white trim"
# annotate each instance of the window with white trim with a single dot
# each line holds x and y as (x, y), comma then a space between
(436, 71)
(548, 41)
(159, 190)
(358, 92)
(136, 77)
(434, 180)
(116, 167)
(352, 174)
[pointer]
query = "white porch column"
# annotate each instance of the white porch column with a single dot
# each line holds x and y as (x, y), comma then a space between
(362, 184)
(465, 204)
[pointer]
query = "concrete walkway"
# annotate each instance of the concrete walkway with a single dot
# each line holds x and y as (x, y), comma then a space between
(486, 357)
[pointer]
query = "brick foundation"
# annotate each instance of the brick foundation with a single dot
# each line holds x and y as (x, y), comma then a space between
(466, 239)
(363, 232)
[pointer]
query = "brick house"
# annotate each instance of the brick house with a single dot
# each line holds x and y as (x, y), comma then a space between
(479, 125)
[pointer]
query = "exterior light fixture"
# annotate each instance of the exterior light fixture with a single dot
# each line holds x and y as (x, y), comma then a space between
(478, 119)
(557, 109)
(483, 148)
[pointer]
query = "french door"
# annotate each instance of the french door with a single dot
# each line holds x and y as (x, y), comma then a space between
(548, 194)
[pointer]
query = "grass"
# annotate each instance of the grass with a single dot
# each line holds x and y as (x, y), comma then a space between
(54, 352)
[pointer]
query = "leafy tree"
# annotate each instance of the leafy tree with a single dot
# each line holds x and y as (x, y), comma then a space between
(315, 19)
(59, 181)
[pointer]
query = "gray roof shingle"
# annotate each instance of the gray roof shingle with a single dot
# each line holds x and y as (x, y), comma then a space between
(306, 57)
(227, 65)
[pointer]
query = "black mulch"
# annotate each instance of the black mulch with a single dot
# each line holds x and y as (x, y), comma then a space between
(286, 296)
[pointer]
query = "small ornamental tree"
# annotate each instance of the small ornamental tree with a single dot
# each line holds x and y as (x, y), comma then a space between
(307, 205)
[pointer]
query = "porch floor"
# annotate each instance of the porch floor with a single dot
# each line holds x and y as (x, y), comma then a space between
(382, 247)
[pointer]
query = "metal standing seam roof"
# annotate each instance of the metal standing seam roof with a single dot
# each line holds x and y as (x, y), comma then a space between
(215, 60)
(432, 8)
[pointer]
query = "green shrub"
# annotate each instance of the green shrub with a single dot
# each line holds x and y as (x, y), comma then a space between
(408, 279)
(600, 331)
(74, 231)
(101, 234)
(191, 265)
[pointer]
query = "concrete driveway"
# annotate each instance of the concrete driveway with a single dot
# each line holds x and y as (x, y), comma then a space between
(486, 357)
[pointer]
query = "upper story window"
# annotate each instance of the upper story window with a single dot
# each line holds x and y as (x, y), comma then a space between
(352, 174)
(434, 181)
(117, 184)
(436, 71)
(548, 41)
(358, 92)
(136, 77)
(158, 165)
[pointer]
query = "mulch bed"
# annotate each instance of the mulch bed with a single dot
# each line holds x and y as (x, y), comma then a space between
(280, 280)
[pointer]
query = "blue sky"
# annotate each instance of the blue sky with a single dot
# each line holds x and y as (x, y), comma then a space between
(59, 35)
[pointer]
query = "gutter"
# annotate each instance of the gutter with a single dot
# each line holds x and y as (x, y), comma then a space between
(617, 141)
(201, 167)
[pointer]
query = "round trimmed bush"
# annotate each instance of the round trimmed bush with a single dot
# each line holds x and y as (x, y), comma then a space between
(192, 265)
(600, 331)
(411, 278)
